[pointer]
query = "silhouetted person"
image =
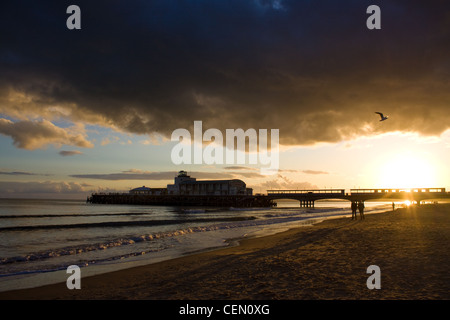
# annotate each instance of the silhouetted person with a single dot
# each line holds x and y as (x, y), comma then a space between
(361, 209)
(393, 206)
(354, 207)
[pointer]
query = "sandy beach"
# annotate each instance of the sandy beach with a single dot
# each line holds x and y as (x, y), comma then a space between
(326, 261)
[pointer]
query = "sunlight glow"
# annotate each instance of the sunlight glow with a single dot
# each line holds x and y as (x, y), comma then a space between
(407, 170)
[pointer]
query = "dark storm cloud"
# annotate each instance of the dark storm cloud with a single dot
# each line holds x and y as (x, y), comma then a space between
(309, 68)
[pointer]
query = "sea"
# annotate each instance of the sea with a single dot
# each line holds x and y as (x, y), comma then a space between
(40, 239)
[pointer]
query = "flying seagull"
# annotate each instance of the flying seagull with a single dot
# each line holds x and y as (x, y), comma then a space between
(383, 117)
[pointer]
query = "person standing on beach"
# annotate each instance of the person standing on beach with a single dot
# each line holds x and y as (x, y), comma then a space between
(361, 209)
(393, 206)
(354, 207)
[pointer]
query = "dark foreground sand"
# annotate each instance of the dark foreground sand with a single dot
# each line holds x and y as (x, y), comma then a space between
(325, 261)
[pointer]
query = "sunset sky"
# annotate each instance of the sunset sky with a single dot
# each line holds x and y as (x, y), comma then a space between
(91, 110)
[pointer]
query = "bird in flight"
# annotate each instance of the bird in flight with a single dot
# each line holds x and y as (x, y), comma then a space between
(383, 117)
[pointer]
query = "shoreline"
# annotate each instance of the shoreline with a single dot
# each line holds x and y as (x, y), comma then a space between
(327, 260)
(225, 237)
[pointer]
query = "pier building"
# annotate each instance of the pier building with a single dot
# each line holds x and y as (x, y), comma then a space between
(186, 185)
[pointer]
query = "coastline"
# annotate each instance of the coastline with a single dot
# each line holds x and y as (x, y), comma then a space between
(325, 261)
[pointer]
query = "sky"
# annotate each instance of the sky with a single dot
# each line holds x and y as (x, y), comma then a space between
(94, 109)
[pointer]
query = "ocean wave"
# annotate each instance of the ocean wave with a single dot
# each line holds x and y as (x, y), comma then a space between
(247, 209)
(221, 224)
(63, 266)
(79, 249)
(27, 216)
(115, 224)
(193, 210)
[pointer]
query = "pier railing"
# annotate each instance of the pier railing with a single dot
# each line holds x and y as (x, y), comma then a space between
(313, 191)
(409, 190)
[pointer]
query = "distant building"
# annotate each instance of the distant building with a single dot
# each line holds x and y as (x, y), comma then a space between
(185, 185)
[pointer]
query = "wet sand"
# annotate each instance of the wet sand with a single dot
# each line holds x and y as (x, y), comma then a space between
(326, 261)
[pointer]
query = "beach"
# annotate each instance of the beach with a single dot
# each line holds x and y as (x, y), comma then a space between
(326, 261)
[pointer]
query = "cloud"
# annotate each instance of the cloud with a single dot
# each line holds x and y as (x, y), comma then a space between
(284, 183)
(312, 70)
(301, 171)
(314, 172)
(51, 189)
(136, 174)
(24, 173)
(20, 189)
(65, 153)
(109, 140)
(32, 135)
(240, 168)
(17, 173)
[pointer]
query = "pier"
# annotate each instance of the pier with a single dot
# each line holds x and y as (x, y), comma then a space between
(238, 201)
(308, 197)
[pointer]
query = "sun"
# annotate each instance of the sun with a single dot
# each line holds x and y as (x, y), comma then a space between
(406, 170)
